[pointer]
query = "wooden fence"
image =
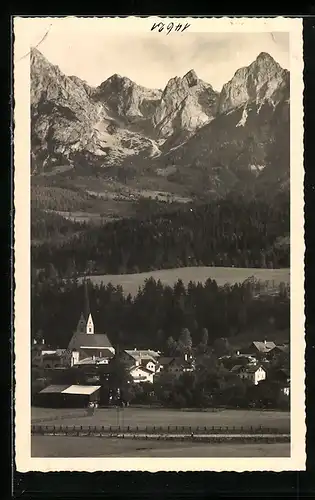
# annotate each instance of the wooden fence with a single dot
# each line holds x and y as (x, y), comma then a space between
(155, 430)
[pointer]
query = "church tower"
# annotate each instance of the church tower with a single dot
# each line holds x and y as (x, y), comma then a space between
(89, 325)
(81, 324)
(85, 324)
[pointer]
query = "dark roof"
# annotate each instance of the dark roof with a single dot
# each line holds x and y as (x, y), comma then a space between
(54, 389)
(165, 360)
(89, 340)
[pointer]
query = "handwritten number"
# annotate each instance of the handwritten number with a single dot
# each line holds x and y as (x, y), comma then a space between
(160, 27)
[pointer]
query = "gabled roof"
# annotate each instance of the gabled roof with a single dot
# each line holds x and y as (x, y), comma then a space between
(54, 389)
(264, 346)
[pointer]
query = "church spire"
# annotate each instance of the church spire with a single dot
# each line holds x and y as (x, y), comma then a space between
(87, 310)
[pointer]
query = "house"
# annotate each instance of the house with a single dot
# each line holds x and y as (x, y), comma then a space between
(253, 373)
(258, 348)
(85, 343)
(141, 374)
(42, 356)
(176, 365)
(138, 357)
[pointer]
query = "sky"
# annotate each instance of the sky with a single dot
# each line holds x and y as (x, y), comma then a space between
(150, 59)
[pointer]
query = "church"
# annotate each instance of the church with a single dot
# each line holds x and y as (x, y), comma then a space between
(85, 344)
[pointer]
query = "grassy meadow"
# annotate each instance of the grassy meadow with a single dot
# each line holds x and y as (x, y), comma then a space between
(222, 275)
(163, 417)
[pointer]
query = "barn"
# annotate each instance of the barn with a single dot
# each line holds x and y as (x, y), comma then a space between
(65, 396)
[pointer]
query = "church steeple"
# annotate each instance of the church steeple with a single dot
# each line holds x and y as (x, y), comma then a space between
(85, 324)
(90, 325)
(81, 324)
(87, 310)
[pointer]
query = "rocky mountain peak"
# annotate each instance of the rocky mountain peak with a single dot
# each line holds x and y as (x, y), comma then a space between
(262, 80)
(125, 98)
(186, 104)
(191, 78)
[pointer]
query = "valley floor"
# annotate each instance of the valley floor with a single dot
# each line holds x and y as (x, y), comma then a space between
(60, 446)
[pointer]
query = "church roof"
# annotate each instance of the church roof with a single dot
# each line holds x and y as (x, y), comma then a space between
(96, 340)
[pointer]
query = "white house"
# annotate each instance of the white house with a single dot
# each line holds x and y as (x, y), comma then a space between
(253, 373)
(141, 374)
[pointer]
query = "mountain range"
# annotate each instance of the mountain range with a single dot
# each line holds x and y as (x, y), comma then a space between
(185, 138)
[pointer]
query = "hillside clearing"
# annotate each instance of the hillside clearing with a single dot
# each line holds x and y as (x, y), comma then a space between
(222, 275)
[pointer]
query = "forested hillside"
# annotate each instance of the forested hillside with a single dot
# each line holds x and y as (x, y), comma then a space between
(239, 231)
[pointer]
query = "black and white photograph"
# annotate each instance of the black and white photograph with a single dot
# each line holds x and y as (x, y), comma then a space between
(159, 243)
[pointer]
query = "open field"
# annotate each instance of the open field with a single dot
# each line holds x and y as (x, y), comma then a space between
(150, 417)
(60, 446)
(222, 275)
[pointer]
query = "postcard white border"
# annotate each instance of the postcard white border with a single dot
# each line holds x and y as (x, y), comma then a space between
(24, 462)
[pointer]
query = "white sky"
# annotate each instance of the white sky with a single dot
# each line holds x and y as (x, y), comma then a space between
(151, 59)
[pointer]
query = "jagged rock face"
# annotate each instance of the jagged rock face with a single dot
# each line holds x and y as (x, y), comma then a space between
(186, 104)
(126, 99)
(70, 125)
(263, 80)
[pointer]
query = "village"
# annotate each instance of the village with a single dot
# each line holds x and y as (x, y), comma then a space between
(79, 374)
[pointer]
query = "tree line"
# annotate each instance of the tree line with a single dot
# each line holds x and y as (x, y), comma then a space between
(158, 316)
(232, 232)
